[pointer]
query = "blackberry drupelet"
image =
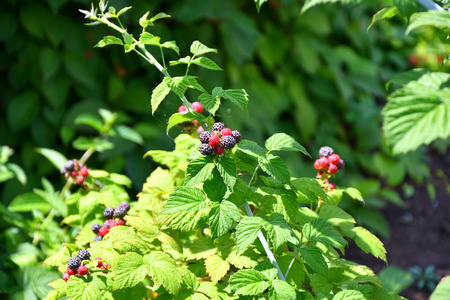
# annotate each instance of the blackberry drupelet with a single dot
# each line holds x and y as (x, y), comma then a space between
(95, 227)
(237, 135)
(74, 263)
(204, 137)
(218, 126)
(84, 254)
(205, 149)
(228, 142)
(119, 212)
(326, 151)
(108, 212)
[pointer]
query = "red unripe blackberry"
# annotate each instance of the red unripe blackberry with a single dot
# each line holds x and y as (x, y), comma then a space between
(326, 151)
(341, 164)
(214, 141)
(95, 227)
(74, 174)
(182, 109)
(319, 174)
(205, 149)
(204, 137)
(80, 180)
(121, 222)
(332, 185)
(84, 172)
(228, 142)
(112, 223)
(70, 271)
(218, 126)
(197, 107)
(317, 165)
(99, 262)
(108, 212)
(103, 231)
(195, 123)
(237, 136)
(106, 224)
(226, 131)
(218, 150)
(334, 159)
(82, 270)
(332, 169)
(323, 163)
(65, 276)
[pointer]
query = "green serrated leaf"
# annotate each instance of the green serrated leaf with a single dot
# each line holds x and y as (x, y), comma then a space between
(128, 133)
(395, 279)
(319, 230)
(198, 48)
(125, 239)
(336, 216)
(27, 202)
(314, 258)
(385, 13)
(248, 282)
(80, 288)
(214, 187)
(418, 113)
(162, 269)
(284, 142)
(217, 267)
(109, 40)
(259, 3)
(159, 16)
(222, 216)
(185, 199)
(56, 158)
(310, 3)
(129, 271)
(275, 167)
(171, 45)
(349, 295)
(227, 169)
(442, 290)
(198, 171)
(90, 120)
(368, 242)
(179, 118)
(281, 290)
(238, 97)
(247, 231)
(278, 229)
(147, 38)
(309, 190)
(120, 179)
(211, 102)
(206, 63)
(251, 148)
(158, 95)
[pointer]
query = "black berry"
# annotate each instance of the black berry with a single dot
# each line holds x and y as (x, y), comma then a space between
(98, 238)
(228, 142)
(326, 151)
(95, 227)
(120, 212)
(125, 204)
(237, 135)
(63, 170)
(108, 212)
(69, 165)
(84, 254)
(218, 126)
(204, 137)
(205, 149)
(106, 224)
(341, 164)
(74, 263)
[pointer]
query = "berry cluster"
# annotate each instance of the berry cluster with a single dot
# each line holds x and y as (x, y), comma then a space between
(73, 168)
(111, 214)
(197, 107)
(76, 267)
(219, 139)
(328, 164)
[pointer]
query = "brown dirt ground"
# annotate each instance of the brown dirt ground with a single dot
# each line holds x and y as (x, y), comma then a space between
(423, 241)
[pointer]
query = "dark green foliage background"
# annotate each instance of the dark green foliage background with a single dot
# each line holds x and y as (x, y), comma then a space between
(319, 77)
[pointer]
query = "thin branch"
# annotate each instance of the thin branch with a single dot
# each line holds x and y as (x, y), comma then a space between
(429, 4)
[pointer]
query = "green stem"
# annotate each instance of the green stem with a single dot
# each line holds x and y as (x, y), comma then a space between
(292, 261)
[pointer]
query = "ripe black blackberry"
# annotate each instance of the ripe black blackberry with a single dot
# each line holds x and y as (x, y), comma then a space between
(204, 137)
(108, 212)
(341, 164)
(84, 254)
(326, 151)
(69, 165)
(98, 238)
(205, 149)
(228, 142)
(119, 212)
(74, 263)
(237, 135)
(218, 126)
(95, 227)
(106, 224)
(125, 204)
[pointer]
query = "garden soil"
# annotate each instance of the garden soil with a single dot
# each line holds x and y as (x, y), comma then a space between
(425, 238)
